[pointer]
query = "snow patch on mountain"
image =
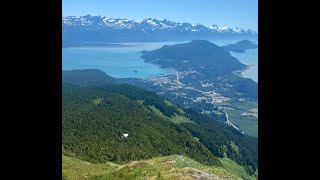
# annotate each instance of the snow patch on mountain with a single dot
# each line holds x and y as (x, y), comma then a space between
(147, 25)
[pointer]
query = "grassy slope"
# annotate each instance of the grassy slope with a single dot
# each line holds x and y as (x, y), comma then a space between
(167, 167)
(178, 119)
(73, 168)
(236, 168)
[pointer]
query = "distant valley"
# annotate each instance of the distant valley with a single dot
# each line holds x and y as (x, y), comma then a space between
(204, 77)
(197, 74)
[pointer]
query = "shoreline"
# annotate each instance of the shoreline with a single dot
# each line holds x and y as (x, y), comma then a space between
(240, 72)
(251, 61)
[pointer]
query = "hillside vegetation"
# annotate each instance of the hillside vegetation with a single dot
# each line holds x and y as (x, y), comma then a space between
(94, 119)
(166, 168)
(87, 77)
(93, 131)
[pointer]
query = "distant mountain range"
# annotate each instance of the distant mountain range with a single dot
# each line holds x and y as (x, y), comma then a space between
(80, 29)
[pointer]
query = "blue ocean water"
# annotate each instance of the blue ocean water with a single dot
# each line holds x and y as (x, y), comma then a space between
(116, 62)
(125, 62)
(249, 57)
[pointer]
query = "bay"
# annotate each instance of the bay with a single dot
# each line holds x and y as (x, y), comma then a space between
(250, 58)
(125, 61)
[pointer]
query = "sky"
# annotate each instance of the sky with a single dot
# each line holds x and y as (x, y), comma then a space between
(229, 13)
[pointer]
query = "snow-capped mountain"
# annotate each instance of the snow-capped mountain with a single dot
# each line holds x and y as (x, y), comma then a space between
(97, 28)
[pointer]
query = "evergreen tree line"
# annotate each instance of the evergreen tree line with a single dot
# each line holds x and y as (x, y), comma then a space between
(220, 140)
(94, 119)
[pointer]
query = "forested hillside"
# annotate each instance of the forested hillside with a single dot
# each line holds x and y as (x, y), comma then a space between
(224, 141)
(87, 77)
(95, 118)
(94, 121)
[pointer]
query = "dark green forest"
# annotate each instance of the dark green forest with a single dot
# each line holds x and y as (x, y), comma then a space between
(87, 77)
(94, 119)
(97, 111)
(221, 140)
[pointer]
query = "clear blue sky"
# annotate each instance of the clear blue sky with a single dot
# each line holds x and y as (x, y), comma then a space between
(230, 13)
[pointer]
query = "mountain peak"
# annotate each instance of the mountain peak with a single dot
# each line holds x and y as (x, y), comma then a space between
(199, 41)
(105, 29)
(88, 15)
(204, 44)
(197, 53)
(214, 26)
(240, 46)
(88, 20)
